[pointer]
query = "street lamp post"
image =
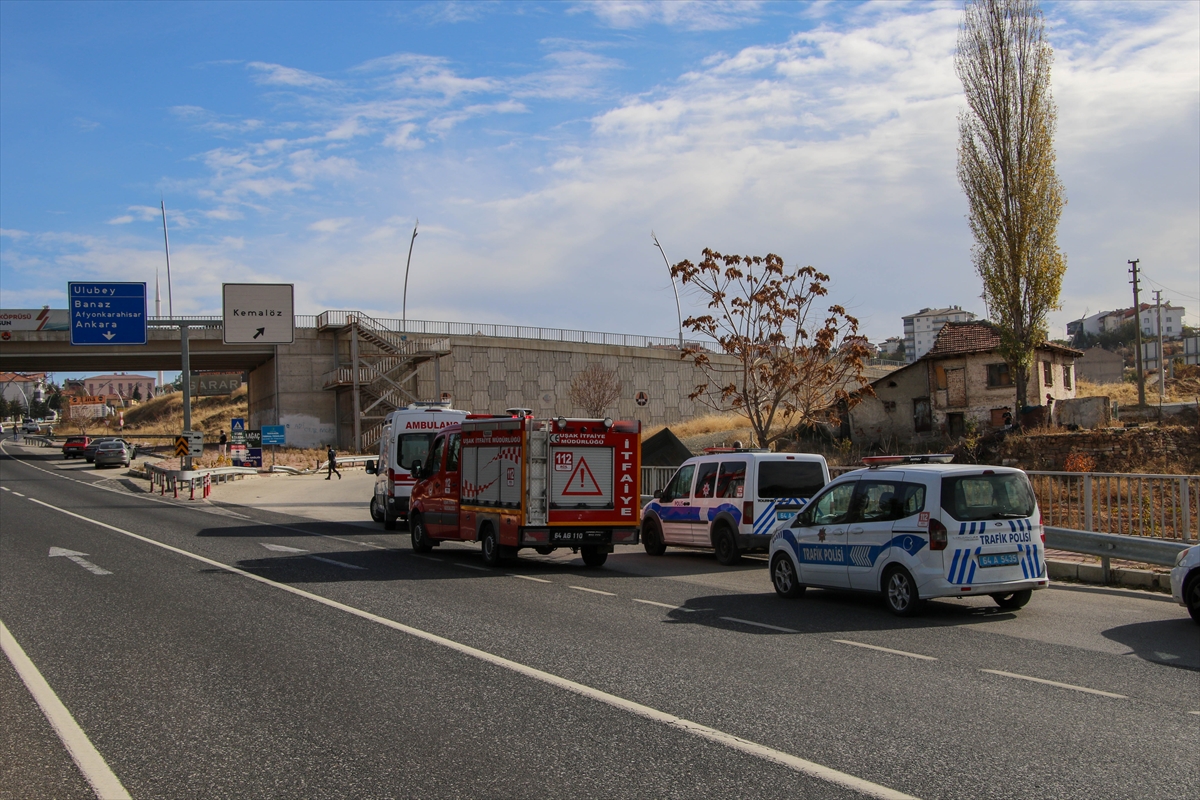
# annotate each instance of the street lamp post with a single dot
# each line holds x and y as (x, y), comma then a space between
(407, 264)
(678, 312)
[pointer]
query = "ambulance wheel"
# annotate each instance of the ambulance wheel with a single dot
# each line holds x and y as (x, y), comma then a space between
(491, 547)
(376, 514)
(652, 537)
(727, 551)
(784, 578)
(900, 593)
(1013, 600)
(543, 550)
(420, 535)
(594, 556)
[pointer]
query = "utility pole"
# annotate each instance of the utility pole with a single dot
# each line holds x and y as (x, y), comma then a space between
(1137, 312)
(1162, 361)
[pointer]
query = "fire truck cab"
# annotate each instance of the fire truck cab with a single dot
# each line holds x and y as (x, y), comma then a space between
(515, 481)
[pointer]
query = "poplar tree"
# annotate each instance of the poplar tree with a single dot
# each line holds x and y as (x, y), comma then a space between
(1006, 169)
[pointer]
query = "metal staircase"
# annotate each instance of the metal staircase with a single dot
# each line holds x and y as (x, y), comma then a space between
(381, 375)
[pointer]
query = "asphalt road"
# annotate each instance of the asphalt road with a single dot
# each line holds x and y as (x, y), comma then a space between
(246, 650)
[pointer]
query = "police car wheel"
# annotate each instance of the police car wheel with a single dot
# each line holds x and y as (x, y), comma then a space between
(900, 593)
(594, 556)
(1191, 596)
(419, 535)
(784, 578)
(376, 514)
(491, 548)
(652, 538)
(726, 547)
(1013, 600)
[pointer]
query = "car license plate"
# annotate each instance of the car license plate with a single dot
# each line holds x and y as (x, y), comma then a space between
(999, 560)
(782, 515)
(575, 537)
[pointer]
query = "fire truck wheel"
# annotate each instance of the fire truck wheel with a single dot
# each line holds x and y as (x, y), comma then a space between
(652, 537)
(376, 514)
(594, 556)
(491, 547)
(419, 534)
(727, 551)
(543, 551)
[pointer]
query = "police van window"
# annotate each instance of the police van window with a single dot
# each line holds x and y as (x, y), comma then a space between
(1005, 495)
(732, 479)
(833, 507)
(413, 447)
(452, 453)
(681, 484)
(789, 478)
(706, 480)
(884, 501)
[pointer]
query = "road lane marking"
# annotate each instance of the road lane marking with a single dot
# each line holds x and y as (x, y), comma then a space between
(336, 563)
(1054, 683)
(759, 625)
(282, 548)
(426, 558)
(787, 760)
(78, 558)
(885, 649)
(5, 488)
(18, 494)
(529, 578)
(93, 766)
(1197, 713)
(664, 605)
(470, 566)
(593, 591)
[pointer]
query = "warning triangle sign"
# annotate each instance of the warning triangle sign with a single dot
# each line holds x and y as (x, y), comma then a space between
(582, 482)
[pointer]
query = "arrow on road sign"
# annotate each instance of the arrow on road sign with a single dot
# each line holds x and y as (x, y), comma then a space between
(109, 335)
(259, 332)
(79, 559)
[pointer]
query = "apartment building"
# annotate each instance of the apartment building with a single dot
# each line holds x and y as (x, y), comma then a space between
(921, 329)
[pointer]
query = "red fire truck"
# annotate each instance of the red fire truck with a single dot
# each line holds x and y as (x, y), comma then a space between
(512, 482)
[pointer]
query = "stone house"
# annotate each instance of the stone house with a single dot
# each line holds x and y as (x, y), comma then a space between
(1100, 366)
(962, 379)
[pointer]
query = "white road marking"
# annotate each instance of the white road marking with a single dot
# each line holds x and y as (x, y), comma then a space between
(5, 488)
(1054, 683)
(18, 494)
(425, 558)
(529, 578)
(282, 548)
(470, 566)
(335, 563)
(799, 765)
(664, 605)
(93, 766)
(886, 650)
(593, 591)
(78, 558)
(759, 625)
(1197, 713)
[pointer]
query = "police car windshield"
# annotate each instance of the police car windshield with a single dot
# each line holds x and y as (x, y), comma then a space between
(789, 478)
(414, 447)
(1005, 495)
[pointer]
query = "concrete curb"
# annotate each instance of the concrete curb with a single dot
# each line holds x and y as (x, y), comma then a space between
(1144, 579)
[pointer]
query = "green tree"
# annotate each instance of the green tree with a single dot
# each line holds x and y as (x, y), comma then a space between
(792, 362)
(1006, 169)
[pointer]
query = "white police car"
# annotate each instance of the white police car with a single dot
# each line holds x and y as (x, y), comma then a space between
(916, 527)
(730, 500)
(1185, 581)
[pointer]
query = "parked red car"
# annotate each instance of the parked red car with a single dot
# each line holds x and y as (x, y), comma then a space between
(74, 446)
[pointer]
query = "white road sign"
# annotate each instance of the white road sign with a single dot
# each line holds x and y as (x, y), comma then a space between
(258, 313)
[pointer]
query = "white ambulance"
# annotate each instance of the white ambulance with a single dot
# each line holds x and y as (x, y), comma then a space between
(916, 527)
(407, 434)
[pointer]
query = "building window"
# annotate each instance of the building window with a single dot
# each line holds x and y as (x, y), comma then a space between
(1168, 319)
(1066, 376)
(1048, 373)
(1168, 329)
(998, 375)
(889, 405)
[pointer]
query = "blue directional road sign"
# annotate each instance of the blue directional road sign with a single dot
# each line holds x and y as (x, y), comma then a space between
(107, 313)
(274, 434)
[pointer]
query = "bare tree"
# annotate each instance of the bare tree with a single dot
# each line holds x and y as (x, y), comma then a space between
(791, 364)
(1006, 169)
(595, 389)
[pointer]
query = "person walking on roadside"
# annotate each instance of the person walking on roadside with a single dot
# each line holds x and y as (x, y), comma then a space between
(331, 454)
(221, 444)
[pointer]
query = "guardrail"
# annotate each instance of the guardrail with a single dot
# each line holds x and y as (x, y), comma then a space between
(1151, 506)
(349, 461)
(174, 480)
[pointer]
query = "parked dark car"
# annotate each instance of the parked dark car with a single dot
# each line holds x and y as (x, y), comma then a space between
(89, 452)
(112, 453)
(74, 446)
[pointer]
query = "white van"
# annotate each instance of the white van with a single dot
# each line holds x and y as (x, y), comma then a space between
(407, 434)
(730, 500)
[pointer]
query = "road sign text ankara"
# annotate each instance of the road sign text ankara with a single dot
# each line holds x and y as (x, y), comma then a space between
(107, 313)
(258, 313)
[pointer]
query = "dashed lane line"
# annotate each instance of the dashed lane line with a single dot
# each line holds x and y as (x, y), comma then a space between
(885, 649)
(95, 769)
(593, 591)
(336, 563)
(528, 578)
(759, 625)
(470, 566)
(17, 494)
(1060, 685)
(667, 605)
(778, 757)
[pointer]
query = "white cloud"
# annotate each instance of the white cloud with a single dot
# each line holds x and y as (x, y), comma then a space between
(279, 75)
(330, 225)
(696, 15)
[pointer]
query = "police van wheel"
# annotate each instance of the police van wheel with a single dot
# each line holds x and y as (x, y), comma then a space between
(900, 593)
(784, 577)
(376, 514)
(491, 548)
(726, 546)
(594, 556)
(1013, 600)
(652, 538)
(419, 535)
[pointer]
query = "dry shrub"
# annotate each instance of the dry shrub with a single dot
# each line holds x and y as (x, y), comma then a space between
(698, 426)
(1080, 462)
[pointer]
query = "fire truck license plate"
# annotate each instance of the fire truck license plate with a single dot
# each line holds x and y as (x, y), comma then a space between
(575, 537)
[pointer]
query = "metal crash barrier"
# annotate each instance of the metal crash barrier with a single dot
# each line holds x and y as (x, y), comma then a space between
(189, 481)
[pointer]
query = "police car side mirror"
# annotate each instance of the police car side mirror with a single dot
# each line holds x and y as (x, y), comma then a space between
(658, 493)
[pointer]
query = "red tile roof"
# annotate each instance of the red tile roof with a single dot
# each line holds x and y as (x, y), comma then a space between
(958, 338)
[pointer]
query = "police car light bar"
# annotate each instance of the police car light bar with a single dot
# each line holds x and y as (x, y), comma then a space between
(883, 461)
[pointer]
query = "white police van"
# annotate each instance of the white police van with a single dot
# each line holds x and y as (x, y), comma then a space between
(730, 500)
(916, 527)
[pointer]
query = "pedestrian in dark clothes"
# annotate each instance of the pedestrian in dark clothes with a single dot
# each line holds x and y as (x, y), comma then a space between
(332, 456)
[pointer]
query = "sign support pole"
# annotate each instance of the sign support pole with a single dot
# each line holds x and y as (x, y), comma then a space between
(184, 333)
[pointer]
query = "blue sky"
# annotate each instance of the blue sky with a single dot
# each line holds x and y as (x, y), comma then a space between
(540, 143)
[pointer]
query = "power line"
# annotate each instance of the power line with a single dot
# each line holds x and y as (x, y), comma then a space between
(1168, 288)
